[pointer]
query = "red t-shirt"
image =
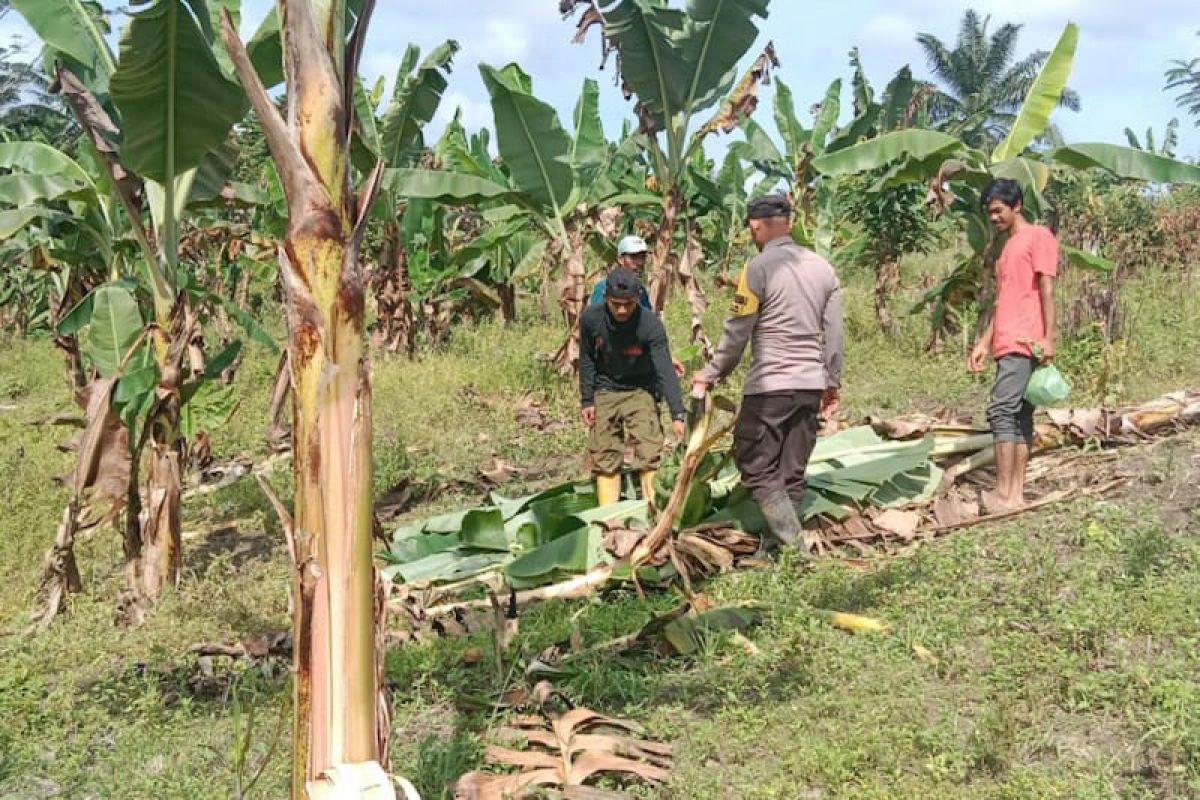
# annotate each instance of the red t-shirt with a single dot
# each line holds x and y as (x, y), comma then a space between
(1031, 252)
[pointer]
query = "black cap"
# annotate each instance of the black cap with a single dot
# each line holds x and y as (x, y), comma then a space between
(623, 284)
(768, 206)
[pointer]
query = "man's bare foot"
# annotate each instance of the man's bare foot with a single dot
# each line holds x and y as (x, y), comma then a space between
(992, 502)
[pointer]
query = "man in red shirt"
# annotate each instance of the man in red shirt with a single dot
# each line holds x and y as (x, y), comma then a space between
(1021, 324)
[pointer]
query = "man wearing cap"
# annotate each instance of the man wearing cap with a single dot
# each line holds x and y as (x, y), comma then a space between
(624, 370)
(788, 306)
(631, 254)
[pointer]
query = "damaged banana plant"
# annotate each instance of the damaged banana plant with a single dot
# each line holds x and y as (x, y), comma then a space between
(156, 120)
(341, 722)
(678, 63)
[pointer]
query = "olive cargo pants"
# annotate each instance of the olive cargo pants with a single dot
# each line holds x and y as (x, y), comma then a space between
(631, 415)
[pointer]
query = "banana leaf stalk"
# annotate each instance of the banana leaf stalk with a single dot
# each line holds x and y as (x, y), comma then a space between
(700, 441)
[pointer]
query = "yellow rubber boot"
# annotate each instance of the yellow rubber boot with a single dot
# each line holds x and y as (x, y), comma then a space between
(648, 487)
(608, 489)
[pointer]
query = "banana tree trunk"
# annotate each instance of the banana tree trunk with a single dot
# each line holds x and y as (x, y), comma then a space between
(887, 282)
(508, 302)
(572, 293)
(69, 344)
(156, 563)
(393, 296)
(664, 238)
(335, 613)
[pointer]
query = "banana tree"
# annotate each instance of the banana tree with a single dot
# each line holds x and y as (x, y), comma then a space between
(155, 118)
(341, 729)
(956, 173)
(397, 139)
(901, 106)
(561, 188)
(678, 63)
(1170, 139)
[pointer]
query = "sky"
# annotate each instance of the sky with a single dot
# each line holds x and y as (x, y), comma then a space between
(1123, 51)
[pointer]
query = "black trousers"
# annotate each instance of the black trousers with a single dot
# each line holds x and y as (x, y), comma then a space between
(773, 439)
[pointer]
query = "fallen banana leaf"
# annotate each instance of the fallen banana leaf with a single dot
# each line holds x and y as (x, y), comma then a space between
(689, 633)
(564, 750)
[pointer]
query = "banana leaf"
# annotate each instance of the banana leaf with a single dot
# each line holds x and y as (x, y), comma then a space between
(689, 633)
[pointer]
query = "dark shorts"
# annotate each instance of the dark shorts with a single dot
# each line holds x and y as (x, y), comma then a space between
(773, 439)
(625, 417)
(1010, 414)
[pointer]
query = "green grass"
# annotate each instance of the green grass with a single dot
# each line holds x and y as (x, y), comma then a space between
(1065, 640)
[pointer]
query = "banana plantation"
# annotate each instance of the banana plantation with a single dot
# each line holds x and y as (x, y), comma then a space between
(290, 404)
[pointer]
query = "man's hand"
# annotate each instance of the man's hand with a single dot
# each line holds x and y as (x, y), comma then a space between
(978, 357)
(1045, 346)
(589, 415)
(680, 369)
(679, 429)
(700, 385)
(831, 400)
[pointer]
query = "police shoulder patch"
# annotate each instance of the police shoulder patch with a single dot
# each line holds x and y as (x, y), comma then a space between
(745, 302)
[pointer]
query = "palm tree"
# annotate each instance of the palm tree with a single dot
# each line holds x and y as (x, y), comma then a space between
(1185, 76)
(981, 89)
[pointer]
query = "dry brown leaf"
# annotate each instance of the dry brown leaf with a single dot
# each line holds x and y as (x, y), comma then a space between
(562, 751)
(531, 413)
(620, 540)
(743, 99)
(902, 523)
(498, 470)
(953, 508)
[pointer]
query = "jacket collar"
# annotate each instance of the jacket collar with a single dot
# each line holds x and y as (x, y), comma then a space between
(778, 241)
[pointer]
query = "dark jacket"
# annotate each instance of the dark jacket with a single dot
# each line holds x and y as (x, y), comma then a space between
(616, 357)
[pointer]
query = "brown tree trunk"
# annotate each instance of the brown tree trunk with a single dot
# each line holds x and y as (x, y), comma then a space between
(335, 611)
(395, 326)
(693, 257)
(572, 294)
(663, 265)
(887, 282)
(160, 558)
(508, 302)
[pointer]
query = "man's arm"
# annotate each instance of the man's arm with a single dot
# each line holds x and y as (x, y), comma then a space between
(1046, 292)
(738, 327)
(664, 369)
(1045, 265)
(983, 346)
(834, 336)
(587, 366)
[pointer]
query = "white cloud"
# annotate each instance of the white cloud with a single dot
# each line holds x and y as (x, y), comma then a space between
(476, 113)
(888, 30)
(503, 39)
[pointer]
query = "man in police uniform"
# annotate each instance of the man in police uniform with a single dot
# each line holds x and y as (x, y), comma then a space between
(788, 305)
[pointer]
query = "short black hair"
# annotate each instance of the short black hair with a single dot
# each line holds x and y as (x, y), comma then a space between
(1006, 190)
(622, 284)
(768, 207)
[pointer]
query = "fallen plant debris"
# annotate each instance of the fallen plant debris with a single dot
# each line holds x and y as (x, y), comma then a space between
(531, 413)
(869, 495)
(564, 747)
(274, 643)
